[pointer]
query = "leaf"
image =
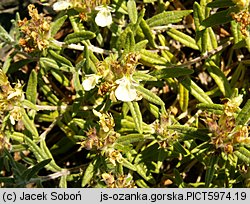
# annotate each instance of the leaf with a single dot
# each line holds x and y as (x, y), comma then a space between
(152, 59)
(127, 164)
(29, 124)
(60, 77)
(220, 4)
(144, 173)
(136, 114)
(219, 78)
(130, 42)
(244, 115)
(183, 98)
(195, 90)
(219, 18)
(167, 17)
(148, 33)
(60, 59)
(31, 91)
(79, 36)
(243, 154)
(132, 11)
(171, 72)
(63, 181)
(211, 169)
(131, 138)
(150, 96)
(183, 38)
(88, 174)
(32, 172)
(57, 24)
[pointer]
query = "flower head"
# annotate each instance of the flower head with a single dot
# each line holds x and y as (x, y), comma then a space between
(103, 17)
(126, 89)
(90, 82)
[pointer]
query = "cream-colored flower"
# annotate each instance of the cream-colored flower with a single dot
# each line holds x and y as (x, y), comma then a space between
(61, 5)
(126, 89)
(90, 82)
(103, 17)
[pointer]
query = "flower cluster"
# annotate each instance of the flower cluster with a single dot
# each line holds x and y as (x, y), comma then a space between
(10, 99)
(4, 144)
(103, 138)
(35, 32)
(243, 18)
(103, 17)
(226, 134)
(116, 78)
(120, 181)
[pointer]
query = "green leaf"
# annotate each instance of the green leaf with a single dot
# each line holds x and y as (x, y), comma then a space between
(60, 77)
(148, 33)
(150, 96)
(243, 154)
(167, 17)
(127, 164)
(211, 169)
(79, 36)
(132, 11)
(218, 18)
(31, 91)
(63, 181)
(32, 172)
(57, 24)
(220, 4)
(136, 114)
(183, 97)
(244, 115)
(171, 72)
(29, 124)
(152, 59)
(130, 42)
(88, 174)
(195, 90)
(183, 38)
(60, 59)
(219, 78)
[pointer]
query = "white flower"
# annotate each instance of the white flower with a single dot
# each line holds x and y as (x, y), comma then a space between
(61, 5)
(90, 81)
(103, 17)
(126, 90)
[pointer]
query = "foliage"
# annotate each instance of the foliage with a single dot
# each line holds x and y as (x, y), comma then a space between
(126, 94)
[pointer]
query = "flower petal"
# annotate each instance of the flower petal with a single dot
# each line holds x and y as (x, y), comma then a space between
(125, 91)
(61, 5)
(103, 18)
(90, 82)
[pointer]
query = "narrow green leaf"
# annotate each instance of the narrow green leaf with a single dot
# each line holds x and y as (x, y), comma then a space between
(60, 59)
(79, 36)
(211, 169)
(183, 38)
(31, 91)
(144, 173)
(88, 174)
(183, 97)
(148, 33)
(57, 24)
(60, 77)
(63, 181)
(130, 42)
(131, 138)
(167, 17)
(136, 114)
(32, 172)
(127, 164)
(195, 90)
(52, 165)
(29, 124)
(171, 72)
(132, 11)
(219, 78)
(218, 18)
(220, 4)
(152, 59)
(243, 154)
(244, 115)
(150, 96)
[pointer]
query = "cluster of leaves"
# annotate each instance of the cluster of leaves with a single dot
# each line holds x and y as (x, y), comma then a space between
(156, 97)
